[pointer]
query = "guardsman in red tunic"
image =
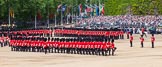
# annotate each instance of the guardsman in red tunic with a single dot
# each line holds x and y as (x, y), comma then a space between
(57, 46)
(142, 40)
(63, 46)
(74, 47)
(122, 33)
(95, 46)
(107, 34)
(60, 46)
(21, 45)
(28, 45)
(152, 40)
(49, 44)
(131, 40)
(67, 47)
(88, 49)
(25, 45)
(103, 48)
(91, 47)
(45, 47)
(106, 48)
(99, 47)
(80, 48)
(113, 46)
(108, 44)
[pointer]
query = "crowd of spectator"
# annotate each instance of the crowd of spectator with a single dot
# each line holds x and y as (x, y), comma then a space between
(125, 20)
(150, 22)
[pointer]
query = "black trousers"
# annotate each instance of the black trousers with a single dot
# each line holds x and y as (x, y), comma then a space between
(1, 44)
(45, 50)
(142, 44)
(127, 36)
(131, 45)
(113, 50)
(152, 44)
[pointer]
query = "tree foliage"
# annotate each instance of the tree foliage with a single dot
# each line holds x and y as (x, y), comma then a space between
(25, 10)
(135, 7)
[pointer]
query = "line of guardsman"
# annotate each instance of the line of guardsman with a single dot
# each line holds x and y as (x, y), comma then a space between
(116, 34)
(42, 41)
(85, 33)
(63, 45)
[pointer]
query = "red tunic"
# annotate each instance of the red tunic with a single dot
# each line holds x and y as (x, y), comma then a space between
(99, 45)
(92, 45)
(131, 38)
(107, 33)
(70, 44)
(74, 44)
(45, 45)
(95, 44)
(80, 45)
(112, 45)
(86, 45)
(104, 46)
(108, 44)
(152, 39)
(142, 39)
(53, 44)
(116, 34)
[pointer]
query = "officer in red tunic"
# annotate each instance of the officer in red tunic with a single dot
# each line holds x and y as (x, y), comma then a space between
(142, 40)
(152, 40)
(131, 40)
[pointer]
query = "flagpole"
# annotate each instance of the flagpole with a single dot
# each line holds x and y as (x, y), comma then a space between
(9, 17)
(35, 17)
(55, 12)
(35, 21)
(61, 15)
(8, 7)
(76, 14)
(72, 11)
(91, 9)
(48, 14)
(99, 7)
(72, 15)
